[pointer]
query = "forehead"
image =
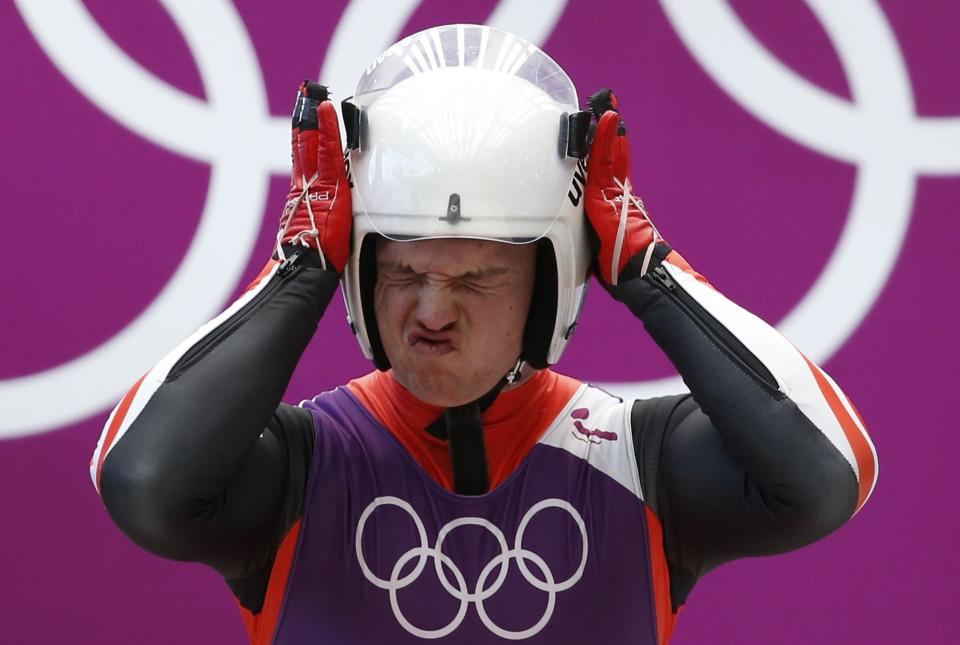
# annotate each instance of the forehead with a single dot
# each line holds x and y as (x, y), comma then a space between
(455, 256)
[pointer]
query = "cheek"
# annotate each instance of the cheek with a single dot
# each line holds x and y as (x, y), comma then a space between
(511, 314)
(385, 303)
(521, 301)
(513, 321)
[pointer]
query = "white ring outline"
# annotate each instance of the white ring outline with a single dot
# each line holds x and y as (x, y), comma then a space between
(461, 591)
(461, 596)
(848, 286)
(551, 595)
(72, 39)
(389, 500)
(518, 542)
(481, 593)
(232, 213)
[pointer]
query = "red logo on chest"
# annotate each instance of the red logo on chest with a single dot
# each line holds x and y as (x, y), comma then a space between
(585, 434)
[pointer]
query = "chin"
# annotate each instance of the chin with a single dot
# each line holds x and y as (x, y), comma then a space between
(439, 388)
(442, 394)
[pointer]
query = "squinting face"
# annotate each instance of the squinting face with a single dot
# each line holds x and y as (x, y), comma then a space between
(451, 313)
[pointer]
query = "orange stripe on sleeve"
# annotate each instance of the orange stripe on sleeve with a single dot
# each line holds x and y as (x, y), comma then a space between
(263, 273)
(261, 626)
(858, 441)
(660, 578)
(678, 261)
(115, 425)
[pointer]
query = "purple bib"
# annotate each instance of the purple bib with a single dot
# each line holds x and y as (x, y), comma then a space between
(558, 553)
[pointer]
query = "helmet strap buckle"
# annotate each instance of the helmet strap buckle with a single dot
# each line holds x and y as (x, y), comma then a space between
(514, 374)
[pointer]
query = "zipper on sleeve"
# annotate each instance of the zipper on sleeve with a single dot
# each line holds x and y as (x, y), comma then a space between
(728, 343)
(287, 270)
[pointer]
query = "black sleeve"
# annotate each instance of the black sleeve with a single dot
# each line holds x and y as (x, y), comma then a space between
(213, 468)
(734, 469)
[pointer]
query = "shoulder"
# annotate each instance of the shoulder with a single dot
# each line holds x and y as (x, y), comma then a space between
(595, 426)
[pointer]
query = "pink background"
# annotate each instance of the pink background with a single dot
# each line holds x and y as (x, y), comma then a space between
(96, 219)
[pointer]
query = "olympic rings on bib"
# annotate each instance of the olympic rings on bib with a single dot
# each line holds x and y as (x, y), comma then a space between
(458, 587)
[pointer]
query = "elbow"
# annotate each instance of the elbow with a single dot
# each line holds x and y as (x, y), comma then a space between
(831, 472)
(819, 503)
(140, 502)
(833, 502)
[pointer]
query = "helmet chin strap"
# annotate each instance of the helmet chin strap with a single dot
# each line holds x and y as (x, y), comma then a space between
(462, 427)
(514, 374)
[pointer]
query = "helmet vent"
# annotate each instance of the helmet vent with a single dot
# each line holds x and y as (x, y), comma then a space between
(454, 211)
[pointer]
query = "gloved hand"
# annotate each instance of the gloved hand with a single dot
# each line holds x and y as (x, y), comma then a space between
(317, 213)
(625, 236)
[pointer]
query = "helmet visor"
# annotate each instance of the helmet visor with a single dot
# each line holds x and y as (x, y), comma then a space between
(463, 134)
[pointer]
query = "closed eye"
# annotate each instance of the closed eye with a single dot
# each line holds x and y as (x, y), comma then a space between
(479, 287)
(398, 277)
(482, 282)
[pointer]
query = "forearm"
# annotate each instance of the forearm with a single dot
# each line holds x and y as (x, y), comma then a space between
(191, 464)
(768, 454)
(780, 457)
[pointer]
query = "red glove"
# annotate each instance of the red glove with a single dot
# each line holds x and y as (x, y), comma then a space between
(318, 212)
(618, 217)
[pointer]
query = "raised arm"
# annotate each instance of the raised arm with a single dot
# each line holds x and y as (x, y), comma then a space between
(767, 454)
(200, 461)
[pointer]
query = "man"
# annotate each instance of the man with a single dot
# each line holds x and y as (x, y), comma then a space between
(465, 492)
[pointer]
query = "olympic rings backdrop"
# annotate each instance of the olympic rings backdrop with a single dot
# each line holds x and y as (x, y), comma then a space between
(805, 155)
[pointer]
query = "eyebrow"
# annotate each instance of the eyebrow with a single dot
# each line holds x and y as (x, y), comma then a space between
(480, 274)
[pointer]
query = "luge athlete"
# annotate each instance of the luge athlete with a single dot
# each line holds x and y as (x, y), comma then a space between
(463, 491)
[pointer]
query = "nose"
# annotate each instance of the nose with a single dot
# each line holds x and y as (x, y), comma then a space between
(436, 308)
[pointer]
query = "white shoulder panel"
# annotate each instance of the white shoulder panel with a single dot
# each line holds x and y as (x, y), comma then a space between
(595, 426)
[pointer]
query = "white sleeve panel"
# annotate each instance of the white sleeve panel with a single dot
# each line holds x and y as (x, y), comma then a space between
(796, 377)
(143, 390)
(595, 426)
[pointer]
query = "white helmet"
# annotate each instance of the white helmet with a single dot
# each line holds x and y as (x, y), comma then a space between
(465, 131)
